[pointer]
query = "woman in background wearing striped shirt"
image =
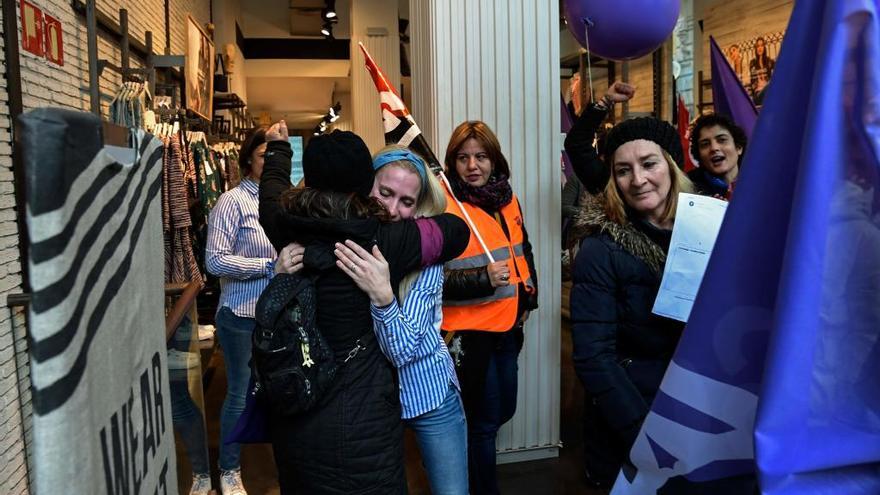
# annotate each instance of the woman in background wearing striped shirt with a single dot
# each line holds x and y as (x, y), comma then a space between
(408, 327)
(239, 252)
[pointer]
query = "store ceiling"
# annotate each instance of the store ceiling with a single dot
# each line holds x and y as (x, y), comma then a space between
(301, 101)
(298, 90)
(305, 17)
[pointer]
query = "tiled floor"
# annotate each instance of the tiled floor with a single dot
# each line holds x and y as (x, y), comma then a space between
(562, 475)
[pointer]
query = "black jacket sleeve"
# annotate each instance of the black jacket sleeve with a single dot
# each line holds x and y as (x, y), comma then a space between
(571, 195)
(594, 337)
(456, 235)
(467, 283)
(274, 181)
(591, 171)
(531, 302)
(402, 244)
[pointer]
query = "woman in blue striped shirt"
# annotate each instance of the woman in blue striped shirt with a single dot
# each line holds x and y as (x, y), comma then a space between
(408, 328)
(239, 252)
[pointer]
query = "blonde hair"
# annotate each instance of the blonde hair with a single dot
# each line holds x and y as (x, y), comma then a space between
(431, 202)
(615, 206)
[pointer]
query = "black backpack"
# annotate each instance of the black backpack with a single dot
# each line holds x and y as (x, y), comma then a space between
(292, 364)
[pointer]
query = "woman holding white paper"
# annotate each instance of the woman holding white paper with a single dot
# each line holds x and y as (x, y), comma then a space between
(621, 349)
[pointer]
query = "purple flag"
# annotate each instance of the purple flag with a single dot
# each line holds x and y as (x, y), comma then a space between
(777, 374)
(728, 94)
(567, 122)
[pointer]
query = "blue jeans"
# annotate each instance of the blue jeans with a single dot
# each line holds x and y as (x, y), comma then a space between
(186, 416)
(442, 438)
(234, 334)
(489, 377)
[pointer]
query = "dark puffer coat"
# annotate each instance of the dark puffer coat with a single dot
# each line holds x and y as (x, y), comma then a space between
(621, 349)
(353, 442)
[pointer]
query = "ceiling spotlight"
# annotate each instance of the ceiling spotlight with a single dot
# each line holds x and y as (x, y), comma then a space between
(327, 30)
(334, 112)
(330, 11)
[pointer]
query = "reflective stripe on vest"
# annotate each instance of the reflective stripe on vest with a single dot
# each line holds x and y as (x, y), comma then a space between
(500, 293)
(499, 254)
(497, 312)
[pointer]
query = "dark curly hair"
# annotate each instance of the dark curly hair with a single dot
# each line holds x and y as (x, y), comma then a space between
(739, 135)
(315, 203)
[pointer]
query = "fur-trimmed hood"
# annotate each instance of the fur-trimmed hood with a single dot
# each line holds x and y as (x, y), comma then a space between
(593, 220)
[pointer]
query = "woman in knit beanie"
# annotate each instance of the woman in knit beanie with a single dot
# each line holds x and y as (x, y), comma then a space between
(621, 349)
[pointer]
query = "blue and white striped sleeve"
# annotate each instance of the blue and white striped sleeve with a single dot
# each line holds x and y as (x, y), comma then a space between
(223, 226)
(401, 331)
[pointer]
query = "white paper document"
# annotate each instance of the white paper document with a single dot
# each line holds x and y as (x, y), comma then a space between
(697, 222)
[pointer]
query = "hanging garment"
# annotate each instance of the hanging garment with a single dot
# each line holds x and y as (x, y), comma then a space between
(96, 333)
(130, 105)
(209, 180)
(180, 260)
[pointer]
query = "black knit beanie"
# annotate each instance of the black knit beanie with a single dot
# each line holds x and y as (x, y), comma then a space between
(647, 128)
(339, 161)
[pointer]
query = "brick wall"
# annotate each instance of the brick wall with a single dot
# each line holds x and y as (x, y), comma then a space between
(45, 84)
(14, 407)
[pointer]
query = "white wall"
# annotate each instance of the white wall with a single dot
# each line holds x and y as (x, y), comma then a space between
(385, 50)
(498, 61)
(226, 13)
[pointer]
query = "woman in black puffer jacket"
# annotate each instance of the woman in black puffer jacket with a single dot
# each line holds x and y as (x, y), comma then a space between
(621, 349)
(352, 443)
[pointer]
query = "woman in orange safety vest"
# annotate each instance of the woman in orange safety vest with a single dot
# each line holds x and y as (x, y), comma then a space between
(486, 304)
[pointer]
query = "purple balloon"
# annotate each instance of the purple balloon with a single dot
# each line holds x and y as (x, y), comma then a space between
(622, 29)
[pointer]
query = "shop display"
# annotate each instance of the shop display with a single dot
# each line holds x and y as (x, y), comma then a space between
(100, 386)
(199, 70)
(130, 105)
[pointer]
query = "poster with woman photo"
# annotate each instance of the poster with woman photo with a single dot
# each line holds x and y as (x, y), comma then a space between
(199, 69)
(753, 60)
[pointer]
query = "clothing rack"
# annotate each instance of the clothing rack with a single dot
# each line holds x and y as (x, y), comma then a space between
(128, 45)
(113, 134)
(24, 299)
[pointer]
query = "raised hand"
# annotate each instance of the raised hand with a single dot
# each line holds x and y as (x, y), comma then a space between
(278, 132)
(620, 92)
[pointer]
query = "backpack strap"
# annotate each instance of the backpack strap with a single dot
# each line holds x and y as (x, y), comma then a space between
(282, 289)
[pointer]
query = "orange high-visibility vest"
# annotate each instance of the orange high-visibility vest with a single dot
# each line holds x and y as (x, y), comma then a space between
(495, 313)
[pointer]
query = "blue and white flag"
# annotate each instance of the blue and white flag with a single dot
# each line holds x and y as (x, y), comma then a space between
(776, 380)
